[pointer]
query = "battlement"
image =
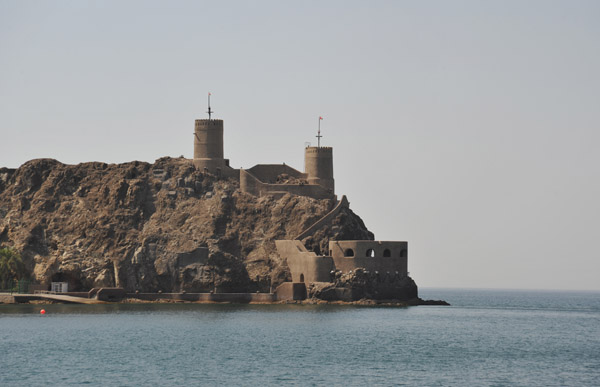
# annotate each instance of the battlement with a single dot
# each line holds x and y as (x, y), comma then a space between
(206, 122)
(322, 149)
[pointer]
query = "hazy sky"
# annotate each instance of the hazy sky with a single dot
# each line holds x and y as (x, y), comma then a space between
(468, 128)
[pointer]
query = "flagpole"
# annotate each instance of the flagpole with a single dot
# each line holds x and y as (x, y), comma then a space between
(319, 136)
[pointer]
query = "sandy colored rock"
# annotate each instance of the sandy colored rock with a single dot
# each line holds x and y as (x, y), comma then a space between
(145, 226)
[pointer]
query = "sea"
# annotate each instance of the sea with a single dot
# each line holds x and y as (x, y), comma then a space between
(485, 338)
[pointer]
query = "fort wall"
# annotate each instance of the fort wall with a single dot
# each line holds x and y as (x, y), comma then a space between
(387, 259)
(269, 173)
(252, 185)
(305, 266)
(208, 297)
(382, 256)
(291, 291)
(249, 183)
(343, 203)
(266, 179)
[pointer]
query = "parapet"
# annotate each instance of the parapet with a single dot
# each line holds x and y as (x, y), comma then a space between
(368, 249)
(319, 149)
(207, 122)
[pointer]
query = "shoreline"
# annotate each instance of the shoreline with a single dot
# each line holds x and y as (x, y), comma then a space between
(234, 298)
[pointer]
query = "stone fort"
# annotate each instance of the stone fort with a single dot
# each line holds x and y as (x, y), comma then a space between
(388, 259)
(265, 179)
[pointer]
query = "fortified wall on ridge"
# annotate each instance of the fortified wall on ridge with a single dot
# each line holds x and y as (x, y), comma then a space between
(265, 179)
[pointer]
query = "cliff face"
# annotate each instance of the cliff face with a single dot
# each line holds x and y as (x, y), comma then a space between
(141, 226)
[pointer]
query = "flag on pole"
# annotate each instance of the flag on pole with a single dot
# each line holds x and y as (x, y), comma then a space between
(320, 117)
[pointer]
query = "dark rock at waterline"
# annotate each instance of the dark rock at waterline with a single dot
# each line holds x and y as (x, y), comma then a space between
(433, 302)
(361, 284)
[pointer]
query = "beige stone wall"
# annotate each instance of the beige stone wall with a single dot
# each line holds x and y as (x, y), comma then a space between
(268, 173)
(305, 266)
(387, 258)
(343, 203)
(251, 184)
(291, 291)
(218, 167)
(382, 256)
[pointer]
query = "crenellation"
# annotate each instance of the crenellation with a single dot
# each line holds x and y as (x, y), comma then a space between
(322, 149)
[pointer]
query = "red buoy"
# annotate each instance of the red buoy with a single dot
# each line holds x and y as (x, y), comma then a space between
(43, 311)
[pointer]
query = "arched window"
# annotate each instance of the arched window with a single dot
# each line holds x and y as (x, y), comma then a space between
(387, 253)
(301, 277)
(349, 253)
(371, 253)
(403, 253)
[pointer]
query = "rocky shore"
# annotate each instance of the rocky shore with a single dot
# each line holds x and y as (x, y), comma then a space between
(310, 301)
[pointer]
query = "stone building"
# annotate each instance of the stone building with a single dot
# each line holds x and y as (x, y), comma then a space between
(386, 260)
(389, 258)
(208, 149)
(264, 179)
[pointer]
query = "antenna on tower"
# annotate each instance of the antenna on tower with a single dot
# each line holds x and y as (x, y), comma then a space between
(210, 112)
(318, 136)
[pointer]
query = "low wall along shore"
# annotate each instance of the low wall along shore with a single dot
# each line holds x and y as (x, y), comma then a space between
(240, 298)
(115, 296)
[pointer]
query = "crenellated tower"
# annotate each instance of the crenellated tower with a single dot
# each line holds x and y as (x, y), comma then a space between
(318, 165)
(208, 146)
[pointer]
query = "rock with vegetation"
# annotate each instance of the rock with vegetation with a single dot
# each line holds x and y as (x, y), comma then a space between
(12, 268)
(145, 227)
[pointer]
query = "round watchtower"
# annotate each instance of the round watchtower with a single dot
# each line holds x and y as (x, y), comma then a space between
(208, 139)
(208, 145)
(318, 165)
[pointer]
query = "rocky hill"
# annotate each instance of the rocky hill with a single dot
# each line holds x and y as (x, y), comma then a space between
(140, 226)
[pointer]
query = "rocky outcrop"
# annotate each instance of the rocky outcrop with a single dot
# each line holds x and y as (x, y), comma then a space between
(162, 226)
(362, 284)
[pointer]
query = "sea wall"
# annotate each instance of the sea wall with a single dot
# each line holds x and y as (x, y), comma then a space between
(241, 298)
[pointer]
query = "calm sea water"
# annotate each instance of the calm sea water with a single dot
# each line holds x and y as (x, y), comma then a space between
(487, 337)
